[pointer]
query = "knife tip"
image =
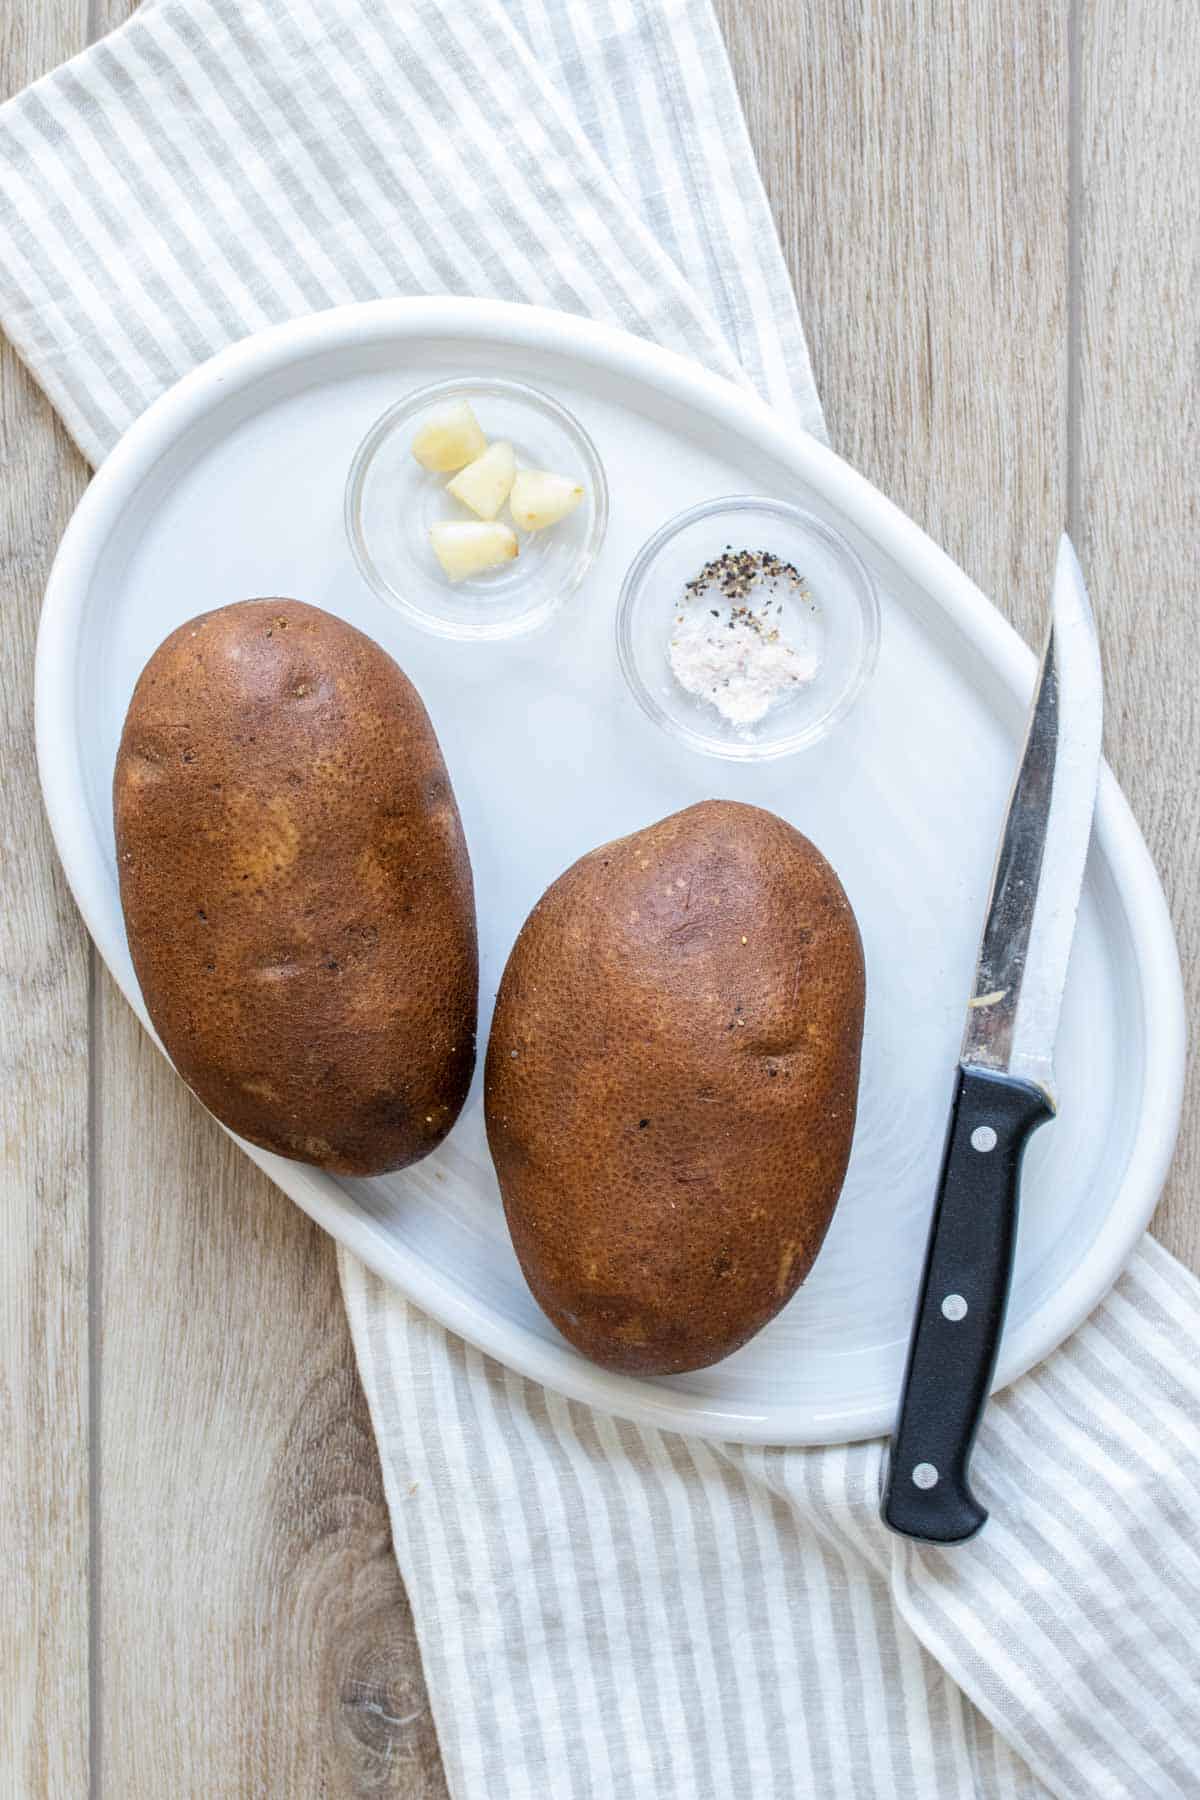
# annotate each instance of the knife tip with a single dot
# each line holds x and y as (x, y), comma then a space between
(1071, 600)
(1068, 561)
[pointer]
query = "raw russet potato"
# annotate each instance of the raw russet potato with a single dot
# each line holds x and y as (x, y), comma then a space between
(296, 886)
(671, 1084)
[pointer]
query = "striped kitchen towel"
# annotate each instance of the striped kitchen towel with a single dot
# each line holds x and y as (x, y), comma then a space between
(605, 1610)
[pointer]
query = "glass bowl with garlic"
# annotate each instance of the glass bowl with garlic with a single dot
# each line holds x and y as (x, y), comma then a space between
(476, 507)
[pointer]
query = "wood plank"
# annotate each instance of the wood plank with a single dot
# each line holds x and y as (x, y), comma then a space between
(253, 1628)
(1137, 429)
(916, 159)
(253, 1632)
(43, 1106)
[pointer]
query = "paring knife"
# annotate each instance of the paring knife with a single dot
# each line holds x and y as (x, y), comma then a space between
(1005, 1083)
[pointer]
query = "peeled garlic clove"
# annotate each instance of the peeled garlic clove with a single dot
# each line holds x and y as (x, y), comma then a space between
(539, 498)
(484, 484)
(449, 439)
(468, 546)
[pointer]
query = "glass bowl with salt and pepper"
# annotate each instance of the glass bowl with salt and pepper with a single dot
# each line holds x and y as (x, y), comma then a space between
(747, 628)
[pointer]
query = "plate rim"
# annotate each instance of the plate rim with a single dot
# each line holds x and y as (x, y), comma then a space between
(1013, 663)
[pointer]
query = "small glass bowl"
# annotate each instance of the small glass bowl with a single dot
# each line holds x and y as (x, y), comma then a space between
(391, 502)
(836, 615)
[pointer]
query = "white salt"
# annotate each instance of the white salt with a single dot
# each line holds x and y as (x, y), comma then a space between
(737, 654)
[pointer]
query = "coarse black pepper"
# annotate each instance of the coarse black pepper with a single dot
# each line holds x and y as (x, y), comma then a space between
(737, 573)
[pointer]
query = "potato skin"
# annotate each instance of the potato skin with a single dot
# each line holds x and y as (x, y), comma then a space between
(671, 1084)
(296, 886)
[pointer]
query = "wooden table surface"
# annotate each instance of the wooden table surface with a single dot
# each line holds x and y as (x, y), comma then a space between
(991, 214)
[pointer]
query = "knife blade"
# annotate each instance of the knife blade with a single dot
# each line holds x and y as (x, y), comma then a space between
(1004, 1087)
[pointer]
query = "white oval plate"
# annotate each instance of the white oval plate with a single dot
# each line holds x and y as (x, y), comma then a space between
(231, 485)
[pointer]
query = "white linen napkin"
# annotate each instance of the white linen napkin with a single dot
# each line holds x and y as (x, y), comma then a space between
(605, 1610)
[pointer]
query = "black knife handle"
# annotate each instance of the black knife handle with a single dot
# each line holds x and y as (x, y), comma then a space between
(960, 1315)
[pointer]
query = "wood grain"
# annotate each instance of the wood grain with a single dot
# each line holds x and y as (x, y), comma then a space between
(43, 1110)
(916, 158)
(997, 268)
(1137, 428)
(254, 1633)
